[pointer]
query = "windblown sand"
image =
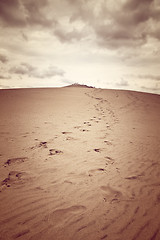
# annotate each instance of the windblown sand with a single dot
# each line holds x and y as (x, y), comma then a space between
(79, 163)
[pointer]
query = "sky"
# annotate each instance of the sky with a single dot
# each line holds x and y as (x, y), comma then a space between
(100, 43)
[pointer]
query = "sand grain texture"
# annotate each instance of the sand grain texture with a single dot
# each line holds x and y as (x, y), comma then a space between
(79, 163)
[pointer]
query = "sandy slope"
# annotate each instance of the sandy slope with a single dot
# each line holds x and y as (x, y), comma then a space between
(79, 163)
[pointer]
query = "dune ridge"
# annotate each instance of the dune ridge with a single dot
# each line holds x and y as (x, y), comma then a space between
(79, 163)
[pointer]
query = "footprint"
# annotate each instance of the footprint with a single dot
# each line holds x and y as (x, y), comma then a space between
(14, 160)
(99, 98)
(13, 177)
(131, 178)
(77, 127)
(95, 170)
(86, 122)
(54, 151)
(67, 181)
(104, 237)
(101, 169)
(111, 194)
(43, 144)
(66, 132)
(22, 233)
(84, 130)
(97, 150)
(158, 198)
(61, 215)
(70, 138)
(109, 160)
(107, 142)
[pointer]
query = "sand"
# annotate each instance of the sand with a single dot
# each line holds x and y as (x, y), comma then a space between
(79, 163)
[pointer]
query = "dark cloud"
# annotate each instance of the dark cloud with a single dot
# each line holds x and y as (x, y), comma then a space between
(3, 58)
(118, 36)
(120, 24)
(12, 13)
(30, 71)
(35, 14)
(123, 24)
(82, 10)
(20, 13)
(133, 5)
(23, 69)
(142, 11)
(115, 25)
(127, 25)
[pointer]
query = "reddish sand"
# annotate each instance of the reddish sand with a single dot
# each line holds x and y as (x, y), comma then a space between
(79, 163)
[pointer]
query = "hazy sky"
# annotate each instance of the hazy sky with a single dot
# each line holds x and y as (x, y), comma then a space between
(102, 43)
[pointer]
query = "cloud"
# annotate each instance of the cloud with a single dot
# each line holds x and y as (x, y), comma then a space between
(12, 13)
(35, 13)
(114, 37)
(23, 13)
(4, 86)
(23, 69)
(29, 67)
(50, 72)
(3, 77)
(152, 77)
(69, 36)
(151, 89)
(31, 71)
(126, 24)
(3, 58)
(137, 12)
(67, 81)
(24, 36)
(122, 83)
(111, 25)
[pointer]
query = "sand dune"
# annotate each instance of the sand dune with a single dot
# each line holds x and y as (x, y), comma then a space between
(79, 163)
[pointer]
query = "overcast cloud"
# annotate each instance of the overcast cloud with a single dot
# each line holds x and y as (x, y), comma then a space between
(105, 43)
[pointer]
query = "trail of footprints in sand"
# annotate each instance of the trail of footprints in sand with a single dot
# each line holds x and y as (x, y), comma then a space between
(85, 127)
(103, 112)
(89, 125)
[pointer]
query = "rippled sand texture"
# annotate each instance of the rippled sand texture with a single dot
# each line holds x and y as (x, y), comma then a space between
(79, 163)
